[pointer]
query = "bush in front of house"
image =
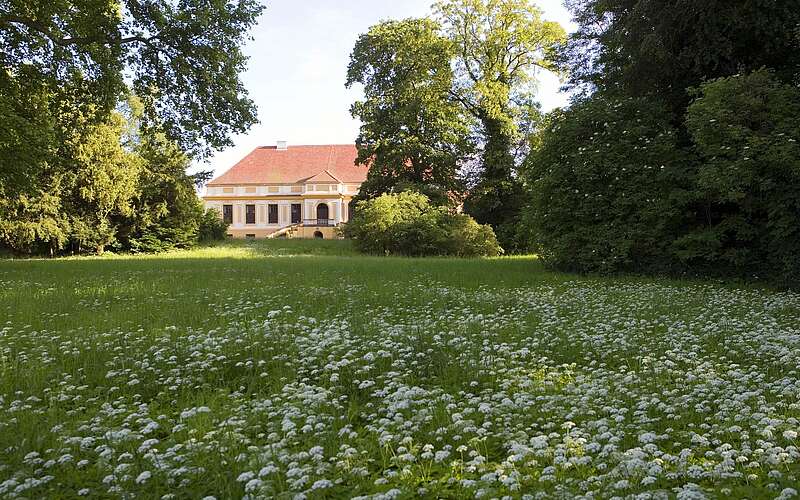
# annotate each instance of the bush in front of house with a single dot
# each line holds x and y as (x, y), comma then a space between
(212, 227)
(408, 224)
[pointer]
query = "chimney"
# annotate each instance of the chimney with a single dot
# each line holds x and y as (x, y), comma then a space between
(282, 145)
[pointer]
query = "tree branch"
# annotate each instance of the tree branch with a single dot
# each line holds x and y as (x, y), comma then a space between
(44, 29)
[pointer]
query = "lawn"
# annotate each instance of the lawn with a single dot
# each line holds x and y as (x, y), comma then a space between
(286, 368)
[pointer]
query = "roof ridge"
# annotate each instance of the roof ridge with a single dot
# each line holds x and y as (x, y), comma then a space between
(331, 174)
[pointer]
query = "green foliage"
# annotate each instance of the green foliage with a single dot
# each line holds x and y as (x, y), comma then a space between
(100, 183)
(641, 47)
(412, 134)
(746, 192)
(33, 224)
(726, 202)
(182, 58)
(75, 174)
(407, 224)
(499, 203)
(27, 131)
(434, 87)
(499, 45)
(212, 227)
(601, 179)
(100, 180)
(167, 211)
(78, 176)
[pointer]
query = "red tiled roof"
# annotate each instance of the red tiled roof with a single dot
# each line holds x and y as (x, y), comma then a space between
(268, 164)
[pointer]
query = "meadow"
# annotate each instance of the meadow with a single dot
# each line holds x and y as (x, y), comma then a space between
(297, 369)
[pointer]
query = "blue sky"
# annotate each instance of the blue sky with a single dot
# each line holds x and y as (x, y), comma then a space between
(298, 61)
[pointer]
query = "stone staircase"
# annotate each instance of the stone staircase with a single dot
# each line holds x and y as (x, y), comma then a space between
(286, 232)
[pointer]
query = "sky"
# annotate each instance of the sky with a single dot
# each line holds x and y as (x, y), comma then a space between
(298, 64)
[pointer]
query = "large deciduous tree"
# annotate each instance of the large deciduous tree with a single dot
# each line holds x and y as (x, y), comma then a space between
(182, 57)
(499, 45)
(67, 176)
(724, 75)
(646, 48)
(600, 178)
(412, 134)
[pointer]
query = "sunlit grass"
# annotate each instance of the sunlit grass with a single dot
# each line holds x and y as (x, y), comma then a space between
(286, 367)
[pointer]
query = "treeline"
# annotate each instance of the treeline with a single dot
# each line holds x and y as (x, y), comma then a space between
(678, 153)
(90, 183)
(102, 109)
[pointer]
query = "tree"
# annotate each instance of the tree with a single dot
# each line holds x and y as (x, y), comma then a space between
(644, 48)
(602, 176)
(78, 174)
(99, 178)
(68, 177)
(183, 58)
(498, 44)
(167, 212)
(412, 134)
(746, 193)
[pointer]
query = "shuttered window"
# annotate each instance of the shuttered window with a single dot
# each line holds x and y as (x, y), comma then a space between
(273, 214)
(250, 214)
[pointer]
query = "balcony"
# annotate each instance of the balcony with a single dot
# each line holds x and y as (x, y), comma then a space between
(319, 222)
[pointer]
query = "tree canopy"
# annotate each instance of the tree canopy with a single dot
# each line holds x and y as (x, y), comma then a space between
(697, 103)
(433, 87)
(73, 167)
(660, 49)
(412, 134)
(499, 46)
(182, 58)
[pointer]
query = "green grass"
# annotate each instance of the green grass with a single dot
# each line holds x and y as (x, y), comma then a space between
(336, 375)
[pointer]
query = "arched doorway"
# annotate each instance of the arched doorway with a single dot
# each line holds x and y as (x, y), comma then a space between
(322, 214)
(318, 235)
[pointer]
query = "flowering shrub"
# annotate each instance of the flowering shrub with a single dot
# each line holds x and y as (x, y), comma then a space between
(601, 179)
(746, 130)
(614, 186)
(401, 379)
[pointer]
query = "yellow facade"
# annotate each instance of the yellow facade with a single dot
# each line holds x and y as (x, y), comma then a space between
(310, 210)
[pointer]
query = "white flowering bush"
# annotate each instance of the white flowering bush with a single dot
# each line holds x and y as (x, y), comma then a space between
(322, 377)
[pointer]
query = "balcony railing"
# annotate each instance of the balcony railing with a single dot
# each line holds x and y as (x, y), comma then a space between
(319, 222)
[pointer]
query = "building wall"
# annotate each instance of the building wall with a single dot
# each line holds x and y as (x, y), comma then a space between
(337, 212)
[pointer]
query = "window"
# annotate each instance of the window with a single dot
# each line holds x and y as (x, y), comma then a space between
(296, 213)
(322, 214)
(273, 214)
(274, 189)
(250, 214)
(250, 236)
(227, 190)
(250, 189)
(227, 214)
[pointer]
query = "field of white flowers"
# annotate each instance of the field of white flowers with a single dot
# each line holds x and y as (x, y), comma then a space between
(332, 377)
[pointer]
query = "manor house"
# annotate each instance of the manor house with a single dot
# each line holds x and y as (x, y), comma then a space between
(292, 191)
